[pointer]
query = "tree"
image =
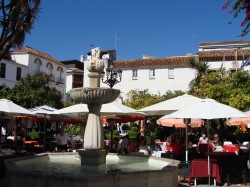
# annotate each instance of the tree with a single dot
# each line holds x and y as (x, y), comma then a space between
(238, 6)
(201, 68)
(228, 88)
(138, 99)
(34, 91)
(17, 18)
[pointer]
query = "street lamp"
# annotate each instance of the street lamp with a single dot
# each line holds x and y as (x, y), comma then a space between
(112, 76)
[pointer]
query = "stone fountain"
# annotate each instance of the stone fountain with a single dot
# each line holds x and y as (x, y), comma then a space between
(92, 166)
(94, 96)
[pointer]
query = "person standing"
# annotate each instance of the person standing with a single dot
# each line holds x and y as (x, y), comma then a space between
(123, 145)
(61, 141)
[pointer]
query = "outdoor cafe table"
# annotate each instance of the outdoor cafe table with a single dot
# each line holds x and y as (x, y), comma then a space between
(199, 169)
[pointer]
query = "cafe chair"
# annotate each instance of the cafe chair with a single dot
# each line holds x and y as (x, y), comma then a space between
(237, 167)
(245, 143)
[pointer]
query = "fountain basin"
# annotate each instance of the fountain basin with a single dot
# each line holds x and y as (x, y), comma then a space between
(64, 169)
(94, 95)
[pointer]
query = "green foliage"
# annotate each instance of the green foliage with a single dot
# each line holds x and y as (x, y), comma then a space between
(225, 87)
(37, 92)
(139, 99)
(16, 20)
(133, 132)
(4, 92)
(201, 69)
(34, 134)
(74, 129)
(115, 134)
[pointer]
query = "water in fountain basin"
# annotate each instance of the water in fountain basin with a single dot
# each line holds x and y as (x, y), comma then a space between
(65, 163)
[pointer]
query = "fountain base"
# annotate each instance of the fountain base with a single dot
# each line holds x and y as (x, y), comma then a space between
(63, 169)
(92, 157)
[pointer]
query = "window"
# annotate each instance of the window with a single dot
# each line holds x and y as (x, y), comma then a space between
(18, 73)
(60, 80)
(38, 65)
(3, 70)
(171, 73)
(134, 76)
(152, 74)
(49, 68)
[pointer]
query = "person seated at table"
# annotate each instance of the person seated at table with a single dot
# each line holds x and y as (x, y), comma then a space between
(61, 141)
(203, 139)
(192, 136)
(132, 147)
(144, 148)
(216, 140)
(113, 144)
(169, 142)
(153, 146)
(178, 149)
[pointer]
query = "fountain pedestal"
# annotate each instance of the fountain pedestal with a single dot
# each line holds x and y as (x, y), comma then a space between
(92, 157)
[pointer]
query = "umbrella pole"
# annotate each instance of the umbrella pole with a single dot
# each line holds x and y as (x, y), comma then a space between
(44, 138)
(208, 156)
(186, 138)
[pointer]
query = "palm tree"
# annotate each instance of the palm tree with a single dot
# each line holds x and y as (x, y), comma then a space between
(201, 68)
(17, 18)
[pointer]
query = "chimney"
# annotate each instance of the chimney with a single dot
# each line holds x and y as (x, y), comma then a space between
(82, 58)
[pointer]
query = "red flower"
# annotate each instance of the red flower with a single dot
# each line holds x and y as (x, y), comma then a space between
(244, 22)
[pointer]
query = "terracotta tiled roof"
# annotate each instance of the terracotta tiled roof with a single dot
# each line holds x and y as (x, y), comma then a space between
(225, 43)
(27, 49)
(158, 62)
(226, 53)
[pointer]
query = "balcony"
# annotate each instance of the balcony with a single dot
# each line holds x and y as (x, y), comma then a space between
(36, 72)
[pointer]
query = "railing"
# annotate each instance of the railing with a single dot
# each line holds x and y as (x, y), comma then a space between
(36, 72)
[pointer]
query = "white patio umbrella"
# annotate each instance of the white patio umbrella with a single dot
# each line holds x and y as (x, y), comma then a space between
(47, 113)
(11, 109)
(171, 105)
(109, 108)
(208, 109)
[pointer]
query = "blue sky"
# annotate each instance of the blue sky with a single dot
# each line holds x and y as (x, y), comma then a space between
(161, 28)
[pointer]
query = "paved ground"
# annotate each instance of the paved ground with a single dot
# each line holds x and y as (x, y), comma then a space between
(181, 184)
(200, 182)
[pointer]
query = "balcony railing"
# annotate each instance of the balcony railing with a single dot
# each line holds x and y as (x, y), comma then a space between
(36, 72)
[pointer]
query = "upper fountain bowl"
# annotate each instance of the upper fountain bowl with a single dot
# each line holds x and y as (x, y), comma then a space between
(94, 95)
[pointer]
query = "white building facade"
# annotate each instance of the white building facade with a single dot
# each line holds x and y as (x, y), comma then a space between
(30, 61)
(159, 75)
(11, 72)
